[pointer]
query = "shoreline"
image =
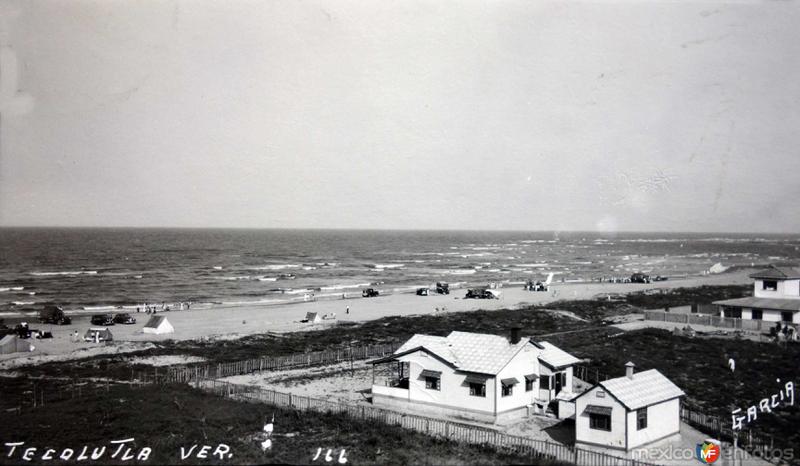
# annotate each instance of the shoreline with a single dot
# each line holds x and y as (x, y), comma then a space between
(239, 321)
(298, 297)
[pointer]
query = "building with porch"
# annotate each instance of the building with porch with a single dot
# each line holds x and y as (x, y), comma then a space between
(472, 376)
(628, 412)
(776, 298)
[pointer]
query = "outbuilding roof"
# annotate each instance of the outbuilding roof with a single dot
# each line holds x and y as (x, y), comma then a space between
(780, 273)
(644, 389)
(763, 303)
(555, 357)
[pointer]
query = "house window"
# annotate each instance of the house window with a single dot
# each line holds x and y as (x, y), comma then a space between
(545, 384)
(600, 394)
(529, 380)
(757, 314)
(641, 418)
(786, 316)
(477, 389)
(733, 312)
(600, 422)
(507, 390)
(769, 285)
(433, 383)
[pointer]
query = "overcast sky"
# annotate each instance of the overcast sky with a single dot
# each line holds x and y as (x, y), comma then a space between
(662, 116)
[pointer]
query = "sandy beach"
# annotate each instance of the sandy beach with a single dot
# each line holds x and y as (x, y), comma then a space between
(237, 321)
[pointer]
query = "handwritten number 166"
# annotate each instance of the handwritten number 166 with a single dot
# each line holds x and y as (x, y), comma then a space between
(328, 458)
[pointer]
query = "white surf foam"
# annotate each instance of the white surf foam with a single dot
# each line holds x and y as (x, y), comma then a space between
(77, 272)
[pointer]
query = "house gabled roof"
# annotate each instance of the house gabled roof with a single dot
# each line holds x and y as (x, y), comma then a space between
(644, 389)
(468, 352)
(555, 357)
(778, 273)
(778, 304)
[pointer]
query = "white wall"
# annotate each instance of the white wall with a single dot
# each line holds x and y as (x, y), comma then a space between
(663, 420)
(786, 289)
(454, 391)
(613, 439)
(525, 362)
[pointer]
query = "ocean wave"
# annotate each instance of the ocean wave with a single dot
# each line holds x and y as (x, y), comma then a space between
(22, 303)
(275, 267)
(534, 265)
(12, 288)
(77, 272)
(388, 266)
(343, 287)
(267, 279)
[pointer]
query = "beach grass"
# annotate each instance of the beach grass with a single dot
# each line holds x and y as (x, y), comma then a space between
(166, 418)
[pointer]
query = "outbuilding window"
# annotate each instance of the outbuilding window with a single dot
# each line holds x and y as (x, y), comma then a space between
(770, 285)
(757, 314)
(786, 316)
(599, 417)
(600, 422)
(641, 418)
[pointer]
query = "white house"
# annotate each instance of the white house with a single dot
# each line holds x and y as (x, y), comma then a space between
(473, 376)
(776, 297)
(628, 412)
(158, 325)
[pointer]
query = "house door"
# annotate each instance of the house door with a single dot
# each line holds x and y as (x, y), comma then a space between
(558, 381)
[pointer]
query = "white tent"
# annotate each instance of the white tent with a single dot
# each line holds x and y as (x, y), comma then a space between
(158, 325)
(313, 317)
(98, 334)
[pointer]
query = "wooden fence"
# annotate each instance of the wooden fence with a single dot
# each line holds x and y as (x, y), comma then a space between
(712, 321)
(764, 445)
(589, 374)
(537, 450)
(188, 373)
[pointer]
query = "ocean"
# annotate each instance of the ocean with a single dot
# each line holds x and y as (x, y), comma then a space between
(108, 268)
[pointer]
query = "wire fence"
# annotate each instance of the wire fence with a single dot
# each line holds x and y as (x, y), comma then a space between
(537, 450)
(188, 373)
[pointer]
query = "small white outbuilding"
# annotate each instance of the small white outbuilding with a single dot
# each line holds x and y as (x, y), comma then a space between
(628, 412)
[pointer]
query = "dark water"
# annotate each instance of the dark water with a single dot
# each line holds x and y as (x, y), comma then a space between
(109, 267)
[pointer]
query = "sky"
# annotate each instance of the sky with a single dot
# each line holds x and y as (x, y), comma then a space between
(487, 115)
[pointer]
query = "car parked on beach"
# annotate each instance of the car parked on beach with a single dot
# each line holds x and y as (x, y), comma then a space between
(102, 319)
(54, 315)
(442, 288)
(422, 292)
(482, 294)
(639, 277)
(370, 293)
(123, 318)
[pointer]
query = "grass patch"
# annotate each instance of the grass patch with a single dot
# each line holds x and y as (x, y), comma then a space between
(167, 418)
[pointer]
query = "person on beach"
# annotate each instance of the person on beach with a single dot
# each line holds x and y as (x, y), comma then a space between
(347, 311)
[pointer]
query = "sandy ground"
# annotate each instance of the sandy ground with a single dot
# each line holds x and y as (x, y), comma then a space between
(235, 322)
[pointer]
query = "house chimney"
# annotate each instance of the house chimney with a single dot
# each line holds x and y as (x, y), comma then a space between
(629, 369)
(514, 337)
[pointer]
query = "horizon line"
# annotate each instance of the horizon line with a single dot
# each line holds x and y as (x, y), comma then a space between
(465, 230)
